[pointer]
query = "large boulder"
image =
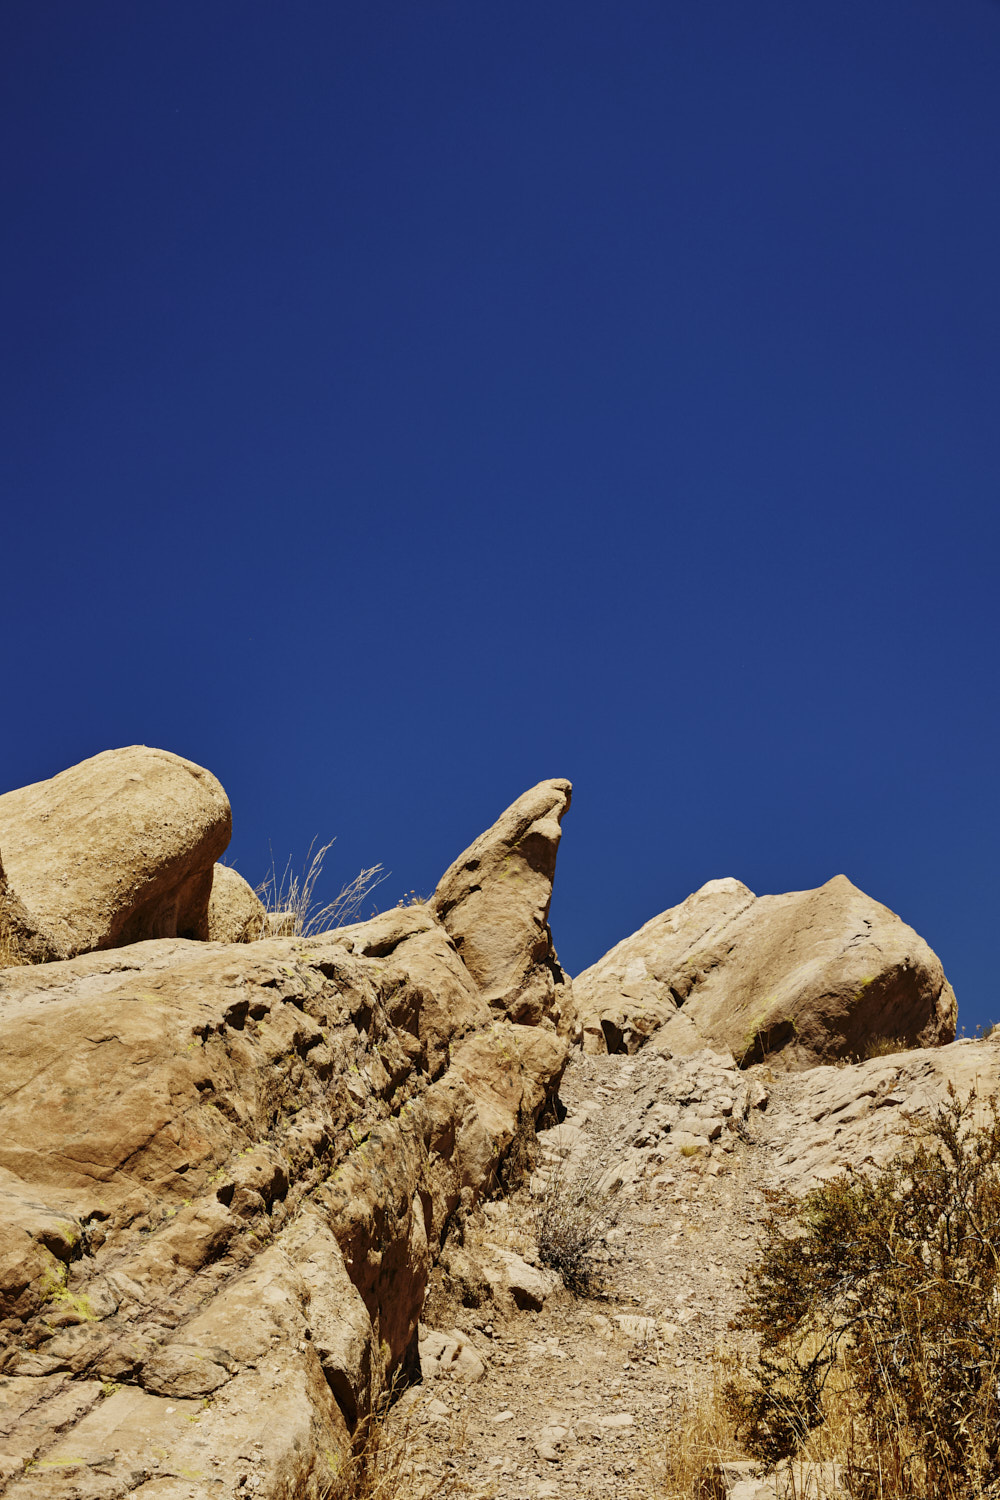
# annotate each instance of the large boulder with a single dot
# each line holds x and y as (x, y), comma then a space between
(808, 977)
(494, 903)
(236, 914)
(117, 849)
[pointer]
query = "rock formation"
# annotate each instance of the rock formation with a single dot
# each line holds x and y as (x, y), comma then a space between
(114, 850)
(494, 903)
(227, 1171)
(806, 977)
(237, 1177)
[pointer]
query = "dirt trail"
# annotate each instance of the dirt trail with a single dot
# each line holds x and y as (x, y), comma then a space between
(573, 1396)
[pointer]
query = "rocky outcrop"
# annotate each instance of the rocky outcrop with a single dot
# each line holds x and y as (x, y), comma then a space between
(807, 977)
(832, 1119)
(226, 1173)
(494, 903)
(115, 850)
(236, 914)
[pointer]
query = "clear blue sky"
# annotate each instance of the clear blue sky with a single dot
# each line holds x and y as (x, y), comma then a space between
(403, 403)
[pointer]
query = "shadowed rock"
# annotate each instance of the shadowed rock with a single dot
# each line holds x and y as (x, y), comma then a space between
(236, 913)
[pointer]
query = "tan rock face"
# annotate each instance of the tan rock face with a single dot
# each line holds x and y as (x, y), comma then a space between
(809, 976)
(494, 902)
(115, 850)
(236, 913)
(833, 1119)
(225, 1175)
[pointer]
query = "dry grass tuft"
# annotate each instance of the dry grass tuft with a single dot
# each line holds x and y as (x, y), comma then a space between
(572, 1221)
(396, 1457)
(884, 1046)
(698, 1441)
(11, 955)
(289, 898)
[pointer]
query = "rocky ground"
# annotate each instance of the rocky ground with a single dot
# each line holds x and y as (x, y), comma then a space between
(580, 1397)
(574, 1398)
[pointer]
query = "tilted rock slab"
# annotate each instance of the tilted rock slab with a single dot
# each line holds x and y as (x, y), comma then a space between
(808, 977)
(225, 1176)
(494, 902)
(117, 849)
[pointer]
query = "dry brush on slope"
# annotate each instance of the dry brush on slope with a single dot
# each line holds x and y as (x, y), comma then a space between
(878, 1296)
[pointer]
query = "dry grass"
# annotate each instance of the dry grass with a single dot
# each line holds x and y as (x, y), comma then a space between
(290, 902)
(690, 1460)
(699, 1439)
(884, 1046)
(11, 955)
(398, 1456)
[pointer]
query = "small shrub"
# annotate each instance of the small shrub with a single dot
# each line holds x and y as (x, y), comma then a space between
(289, 897)
(571, 1223)
(522, 1154)
(884, 1046)
(879, 1295)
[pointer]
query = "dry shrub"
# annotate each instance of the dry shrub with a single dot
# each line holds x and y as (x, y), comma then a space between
(699, 1438)
(876, 1303)
(396, 1458)
(11, 955)
(290, 896)
(572, 1221)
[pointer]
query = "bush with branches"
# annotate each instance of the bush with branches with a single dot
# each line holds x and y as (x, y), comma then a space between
(880, 1291)
(572, 1221)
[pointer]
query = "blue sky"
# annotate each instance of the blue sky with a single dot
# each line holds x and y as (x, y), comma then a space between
(404, 403)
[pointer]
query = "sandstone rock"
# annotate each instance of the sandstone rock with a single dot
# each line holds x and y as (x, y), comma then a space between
(114, 850)
(631, 991)
(236, 913)
(339, 1324)
(527, 1285)
(466, 1280)
(808, 977)
(145, 1090)
(451, 1353)
(553, 1439)
(835, 1118)
(494, 902)
(434, 995)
